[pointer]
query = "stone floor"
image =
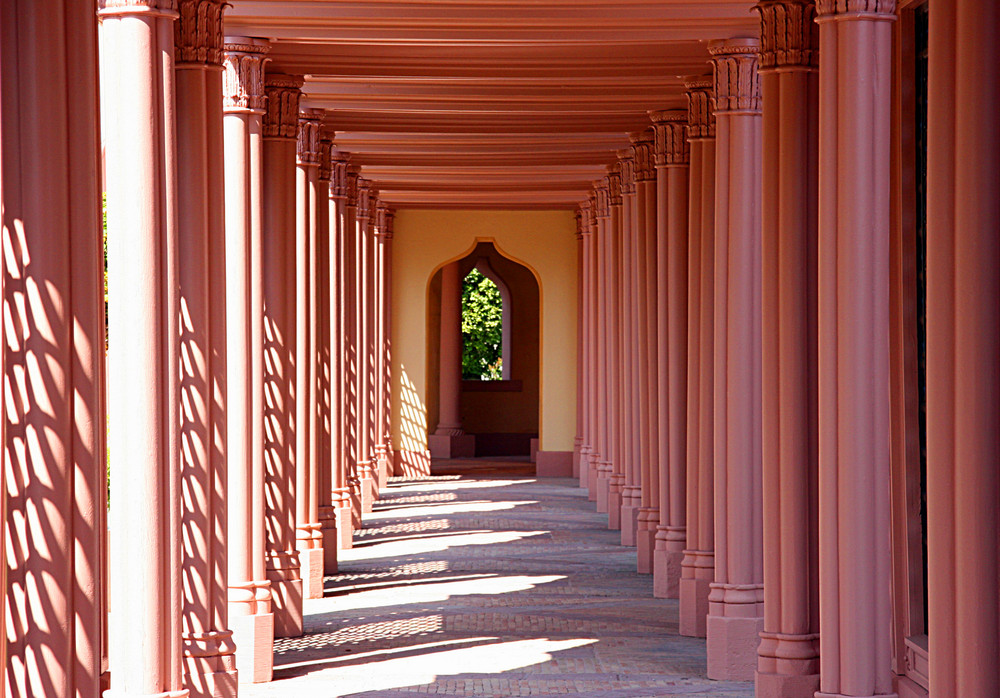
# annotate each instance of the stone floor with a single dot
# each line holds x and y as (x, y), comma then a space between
(498, 585)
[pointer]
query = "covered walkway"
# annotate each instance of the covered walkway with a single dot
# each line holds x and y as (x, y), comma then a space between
(475, 585)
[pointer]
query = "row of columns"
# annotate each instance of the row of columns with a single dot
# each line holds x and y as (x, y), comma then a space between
(245, 450)
(770, 239)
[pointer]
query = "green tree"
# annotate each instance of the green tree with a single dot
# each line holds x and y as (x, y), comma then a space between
(482, 328)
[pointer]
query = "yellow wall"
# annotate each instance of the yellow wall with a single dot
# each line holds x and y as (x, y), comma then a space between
(545, 242)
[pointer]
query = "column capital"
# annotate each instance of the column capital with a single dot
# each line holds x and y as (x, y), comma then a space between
(613, 181)
(701, 106)
(281, 120)
(307, 145)
(626, 168)
(243, 61)
(670, 129)
(602, 201)
(325, 160)
(338, 173)
(856, 9)
(643, 153)
(107, 8)
(737, 84)
(383, 221)
(584, 213)
(789, 34)
(198, 32)
(364, 198)
(353, 182)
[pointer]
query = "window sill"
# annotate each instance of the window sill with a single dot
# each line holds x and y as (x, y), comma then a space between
(501, 386)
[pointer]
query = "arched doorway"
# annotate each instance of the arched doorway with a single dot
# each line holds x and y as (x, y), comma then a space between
(498, 395)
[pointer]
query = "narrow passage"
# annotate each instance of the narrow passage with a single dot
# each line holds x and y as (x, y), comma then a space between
(490, 583)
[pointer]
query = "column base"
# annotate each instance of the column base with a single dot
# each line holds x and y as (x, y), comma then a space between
(731, 643)
(345, 526)
(820, 694)
(785, 686)
(355, 501)
(693, 594)
(667, 575)
(286, 598)
(254, 637)
(603, 487)
(311, 572)
(614, 509)
(210, 665)
(451, 445)
(645, 543)
(329, 536)
(584, 468)
(367, 487)
(629, 523)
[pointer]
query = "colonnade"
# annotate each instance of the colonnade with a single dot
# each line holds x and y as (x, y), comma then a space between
(764, 268)
(734, 352)
(245, 447)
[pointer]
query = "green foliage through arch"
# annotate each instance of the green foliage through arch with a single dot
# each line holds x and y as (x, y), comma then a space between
(482, 328)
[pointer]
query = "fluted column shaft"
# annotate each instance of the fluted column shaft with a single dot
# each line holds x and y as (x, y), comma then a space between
(449, 392)
(698, 562)
(601, 314)
(736, 601)
(53, 412)
(140, 157)
(384, 377)
(338, 527)
(624, 517)
(278, 270)
(362, 334)
(963, 486)
(585, 395)
(648, 363)
(788, 662)
(308, 538)
(249, 591)
(208, 647)
(672, 167)
(855, 41)
(351, 372)
(578, 438)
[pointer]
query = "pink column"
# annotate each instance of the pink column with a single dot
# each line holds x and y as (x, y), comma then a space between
(249, 590)
(388, 216)
(53, 354)
(448, 439)
(853, 355)
(362, 327)
(963, 284)
(624, 517)
(351, 299)
(672, 252)
(280, 125)
(578, 439)
(325, 358)
(736, 601)
(140, 160)
(207, 642)
(584, 397)
(698, 561)
(648, 361)
(336, 522)
(788, 663)
(382, 448)
(598, 485)
(614, 374)
(308, 538)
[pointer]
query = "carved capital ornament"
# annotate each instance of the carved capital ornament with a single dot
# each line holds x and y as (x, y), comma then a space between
(307, 144)
(643, 154)
(670, 129)
(614, 183)
(701, 107)
(281, 120)
(737, 83)
(162, 8)
(602, 201)
(584, 214)
(325, 160)
(856, 9)
(243, 75)
(626, 168)
(789, 34)
(198, 32)
(338, 174)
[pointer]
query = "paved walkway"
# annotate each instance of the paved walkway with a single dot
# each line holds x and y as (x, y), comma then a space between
(498, 586)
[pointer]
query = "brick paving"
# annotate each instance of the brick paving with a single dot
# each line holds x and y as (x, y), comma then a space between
(466, 585)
